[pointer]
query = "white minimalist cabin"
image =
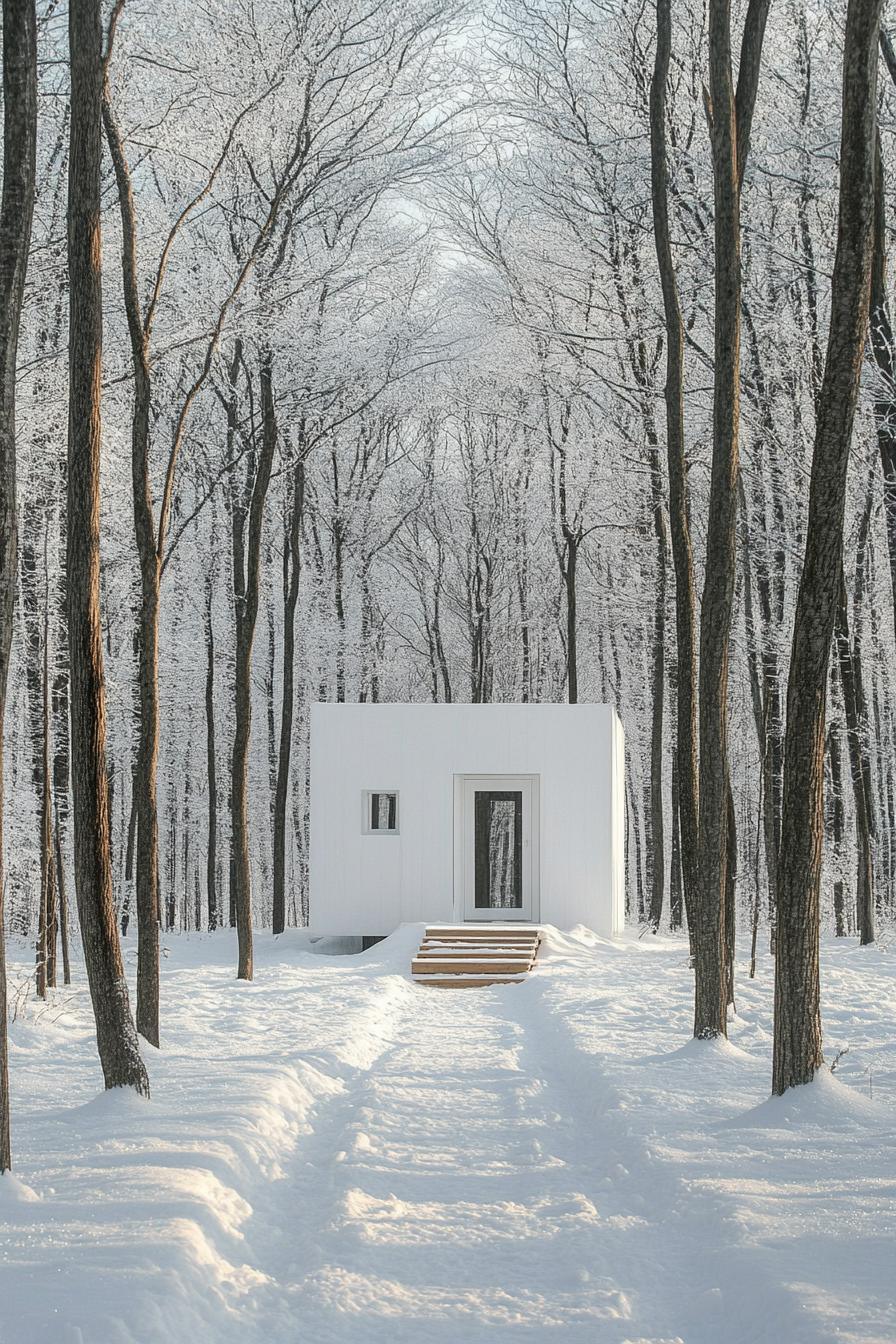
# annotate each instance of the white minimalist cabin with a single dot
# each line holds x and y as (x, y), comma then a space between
(456, 813)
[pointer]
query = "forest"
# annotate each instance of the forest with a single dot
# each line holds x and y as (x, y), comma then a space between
(536, 350)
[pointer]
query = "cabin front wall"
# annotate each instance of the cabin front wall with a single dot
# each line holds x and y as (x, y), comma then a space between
(363, 883)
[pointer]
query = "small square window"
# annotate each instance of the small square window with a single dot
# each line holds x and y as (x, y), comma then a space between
(381, 812)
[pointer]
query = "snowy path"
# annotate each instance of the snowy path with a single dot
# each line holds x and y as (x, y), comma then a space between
(481, 1183)
(335, 1155)
(444, 1201)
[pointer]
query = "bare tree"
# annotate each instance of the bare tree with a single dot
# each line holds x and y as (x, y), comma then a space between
(292, 572)
(730, 117)
(687, 749)
(116, 1034)
(703, 782)
(211, 871)
(16, 211)
(246, 612)
(797, 1035)
(151, 533)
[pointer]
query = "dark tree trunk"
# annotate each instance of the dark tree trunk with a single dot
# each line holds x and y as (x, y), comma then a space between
(211, 868)
(679, 521)
(676, 912)
(16, 210)
(292, 576)
(572, 648)
(116, 1034)
(730, 118)
(718, 591)
(246, 616)
(837, 824)
(730, 896)
(850, 665)
(764, 623)
(658, 870)
(797, 1037)
(47, 971)
(146, 773)
(882, 348)
(62, 895)
(339, 599)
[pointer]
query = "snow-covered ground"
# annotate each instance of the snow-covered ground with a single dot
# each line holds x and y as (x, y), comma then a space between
(333, 1154)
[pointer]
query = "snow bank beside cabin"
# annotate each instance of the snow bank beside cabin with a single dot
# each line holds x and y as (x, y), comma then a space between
(335, 1155)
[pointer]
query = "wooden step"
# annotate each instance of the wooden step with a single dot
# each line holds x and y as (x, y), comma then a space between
(489, 956)
(477, 946)
(470, 965)
(454, 932)
(467, 981)
(485, 946)
(480, 945)
(480, 942)
(471, 956)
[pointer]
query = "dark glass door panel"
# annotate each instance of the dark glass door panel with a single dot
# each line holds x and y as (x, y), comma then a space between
(498, 832)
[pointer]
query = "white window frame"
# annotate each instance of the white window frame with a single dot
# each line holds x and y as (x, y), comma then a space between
(368, 829)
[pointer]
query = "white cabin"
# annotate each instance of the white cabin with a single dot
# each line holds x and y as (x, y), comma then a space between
(455, 813)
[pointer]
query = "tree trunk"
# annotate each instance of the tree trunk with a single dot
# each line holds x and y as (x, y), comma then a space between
(116, 1034)
(16, 210)
(572, 650)
(679, 521)
(837, 824)
(145, 786)
(61, 894)
(797, 1036)
(145, 775)
(730, 119)
(882, 348)
(658, 871)
(246, 616)
(710, 1013)
(47, 939)
(854, 709)
(211, 867)
(675, 874)
(730, 896)
(770, 569)
(293, 567)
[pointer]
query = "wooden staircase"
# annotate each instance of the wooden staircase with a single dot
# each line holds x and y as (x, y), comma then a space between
(471, 956)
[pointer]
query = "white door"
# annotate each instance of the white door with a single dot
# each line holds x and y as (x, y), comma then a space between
(498, 847)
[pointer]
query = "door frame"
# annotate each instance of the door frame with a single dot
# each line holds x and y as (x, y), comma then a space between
(464, 832)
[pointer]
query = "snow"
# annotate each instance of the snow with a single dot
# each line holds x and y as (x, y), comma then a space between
(334, 1154)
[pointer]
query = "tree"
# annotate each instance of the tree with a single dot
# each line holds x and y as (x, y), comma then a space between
(151, 534)
(797, 1033)
(246, 590)
(16, 211)
(730, 117)
(292, 572)
(703, 770)
(116, 1034)
(687, 748)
